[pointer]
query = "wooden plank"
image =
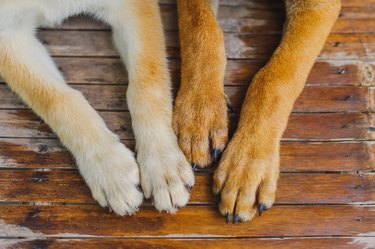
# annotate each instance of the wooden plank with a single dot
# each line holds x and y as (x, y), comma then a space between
(245, 20)
(238, 72)
(197, 221)
(209, 243)
(319, 126)
(238, 46)
(242, 46)
(262, 4)
(319, 99)
(349, 126)
(312, 99)
(332, 156)
(242, 19)
(295, 156)
(68, 186)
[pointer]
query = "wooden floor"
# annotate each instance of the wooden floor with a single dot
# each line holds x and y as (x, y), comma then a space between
(326, 194)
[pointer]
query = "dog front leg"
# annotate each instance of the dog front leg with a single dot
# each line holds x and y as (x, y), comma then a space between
(165, 174)
(200, 114)
(247, 174)
(108, 167)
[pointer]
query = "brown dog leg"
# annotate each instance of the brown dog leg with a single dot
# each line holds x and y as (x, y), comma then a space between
(248, 171)
(200, 114)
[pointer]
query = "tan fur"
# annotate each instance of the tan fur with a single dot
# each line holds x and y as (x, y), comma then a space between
(248, 171)
(200, 115)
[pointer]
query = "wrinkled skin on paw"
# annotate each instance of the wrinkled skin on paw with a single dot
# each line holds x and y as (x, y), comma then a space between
(201, 124)
(245, 180)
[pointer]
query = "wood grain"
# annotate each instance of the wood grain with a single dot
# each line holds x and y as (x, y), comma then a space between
(210, 243)
(105, 71)
(313, 98)
(28, 153)
(275, 3)
(68, 186)
(326, 195)
(197, 222)
(238, 46)
(309, 126)
(242, 19)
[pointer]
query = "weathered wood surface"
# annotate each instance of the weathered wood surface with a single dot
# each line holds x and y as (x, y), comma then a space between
(351, 156)
(193, 221)
(313, 98)
(326, 194)
(248, 20)
(68, 186)
(309, 126)
(260, 4)
(238, 46)
(210, 243)
(105, 71)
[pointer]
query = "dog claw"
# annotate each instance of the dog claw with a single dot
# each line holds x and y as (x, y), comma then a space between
(227, 218)
(229, 104)
(217, 199)
(230, 108)
(216, 155)
(188, 188)
(261, 208)
(195, 167)
(139, 188)
(236, 218)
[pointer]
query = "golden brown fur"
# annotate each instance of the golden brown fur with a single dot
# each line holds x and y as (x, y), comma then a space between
(200, 115)
(247, 174)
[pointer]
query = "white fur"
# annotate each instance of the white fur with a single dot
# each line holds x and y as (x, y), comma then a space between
(107, 166)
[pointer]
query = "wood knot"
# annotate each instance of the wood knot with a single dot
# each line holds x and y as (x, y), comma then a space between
(43, 148)
(32, 215)
(39, 176)
(341, 71)
(337, 44)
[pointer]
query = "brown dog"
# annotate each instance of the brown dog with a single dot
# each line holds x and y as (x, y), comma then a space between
(246, 177)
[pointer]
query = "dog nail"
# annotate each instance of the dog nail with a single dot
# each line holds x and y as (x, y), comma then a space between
(216, 154)
(195, 167)
(236, 218)
(217, 199)
(230, 107)
(227, 217)
(188, 188)
(261, 208)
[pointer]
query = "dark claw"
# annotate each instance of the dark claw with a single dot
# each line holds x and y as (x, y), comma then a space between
(236, 219)
(195, 167)
(217, 199)
(261, 208)
(227, 217)
(230, 107)
(216, 155)
(139, 188)
(188, 188)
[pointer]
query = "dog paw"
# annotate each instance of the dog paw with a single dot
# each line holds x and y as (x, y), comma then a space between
(112, 174)
(201, 124)
(166, 176)
(245, 180)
